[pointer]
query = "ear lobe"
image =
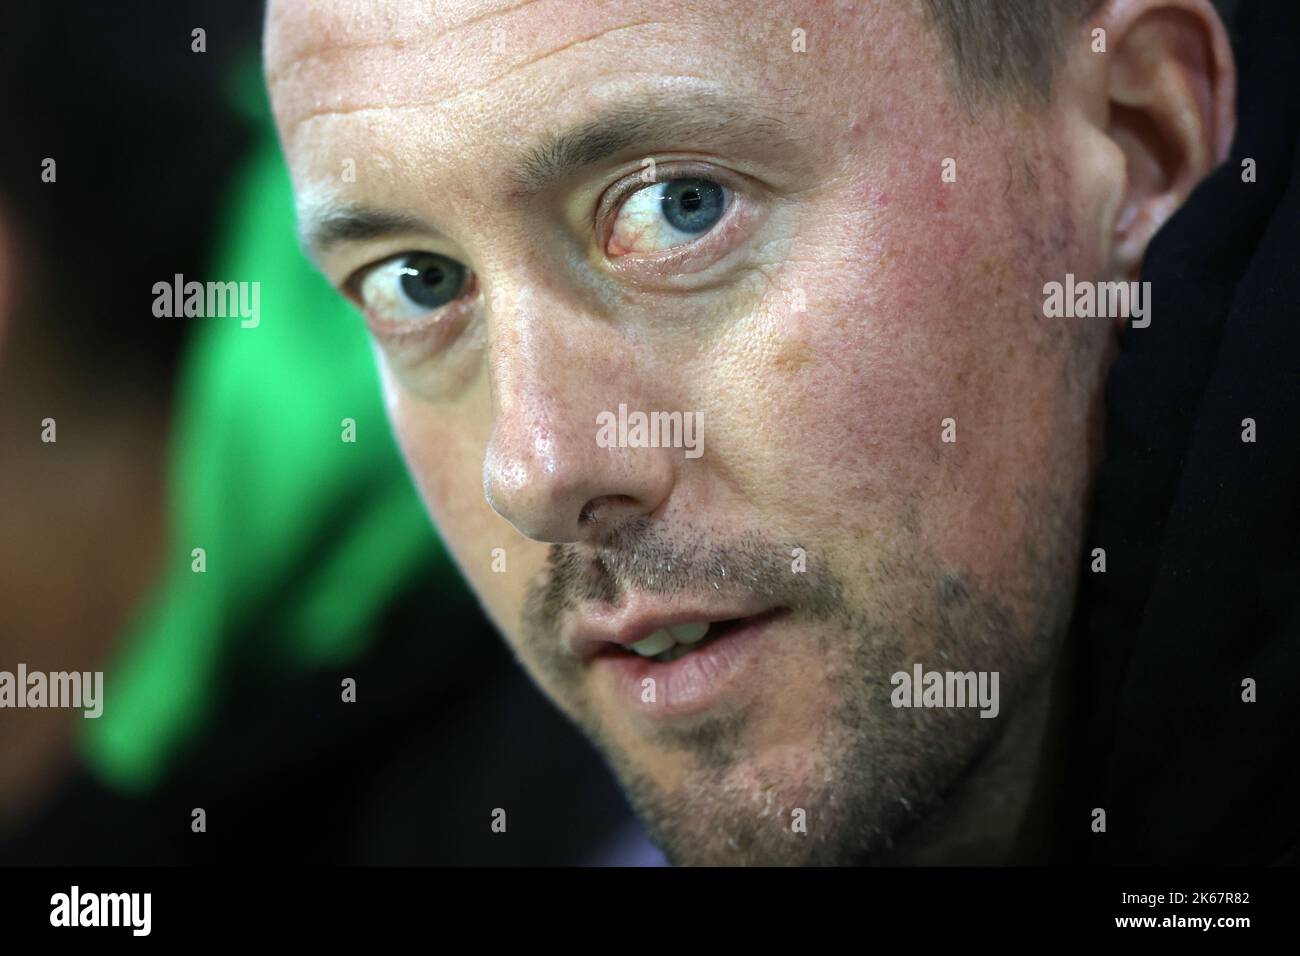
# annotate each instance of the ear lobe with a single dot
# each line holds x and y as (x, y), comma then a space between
(1171, 85)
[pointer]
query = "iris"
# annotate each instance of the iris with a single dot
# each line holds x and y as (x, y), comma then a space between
(430, 280)
(693, 205)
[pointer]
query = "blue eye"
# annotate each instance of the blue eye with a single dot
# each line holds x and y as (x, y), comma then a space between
(692, 205)
(668, 214)
(411, 285)
(430, 280)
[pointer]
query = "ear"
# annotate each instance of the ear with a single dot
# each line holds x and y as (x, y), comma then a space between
(1171, 86)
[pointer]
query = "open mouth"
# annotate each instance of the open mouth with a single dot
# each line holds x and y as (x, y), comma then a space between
(672, 643)
(683, 669)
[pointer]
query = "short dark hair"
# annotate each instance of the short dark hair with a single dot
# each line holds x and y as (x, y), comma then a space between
(1006, 47)
(1012, 47)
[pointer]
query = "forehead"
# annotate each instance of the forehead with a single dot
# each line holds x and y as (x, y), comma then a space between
(470, 70)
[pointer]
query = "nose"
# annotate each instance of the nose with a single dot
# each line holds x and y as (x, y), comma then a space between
(553, 372)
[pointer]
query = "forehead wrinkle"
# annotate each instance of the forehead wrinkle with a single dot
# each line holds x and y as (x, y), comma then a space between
(442, 102)
(421, 27)
(578, 42)
(293, 84)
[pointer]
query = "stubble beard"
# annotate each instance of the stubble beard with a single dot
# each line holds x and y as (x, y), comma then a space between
(874, 771)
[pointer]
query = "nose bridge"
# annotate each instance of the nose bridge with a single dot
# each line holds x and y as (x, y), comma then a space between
(553, 369)
(528, 345)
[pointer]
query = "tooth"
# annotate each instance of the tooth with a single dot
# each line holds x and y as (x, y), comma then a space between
(689, 633)
(656, 643)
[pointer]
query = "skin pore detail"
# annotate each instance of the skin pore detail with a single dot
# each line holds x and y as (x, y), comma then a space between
(898, 443)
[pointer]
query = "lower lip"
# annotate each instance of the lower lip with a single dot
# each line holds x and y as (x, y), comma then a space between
(693, 683)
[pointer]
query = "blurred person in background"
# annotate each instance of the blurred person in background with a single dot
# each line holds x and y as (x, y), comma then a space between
(101, 157)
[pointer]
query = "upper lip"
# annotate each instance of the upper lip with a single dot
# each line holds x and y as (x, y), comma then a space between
(638, 616)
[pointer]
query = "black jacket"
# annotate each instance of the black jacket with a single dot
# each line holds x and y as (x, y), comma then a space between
(1202, 529)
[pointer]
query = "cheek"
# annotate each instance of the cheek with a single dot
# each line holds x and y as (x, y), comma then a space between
(927, 308)
(443, 446)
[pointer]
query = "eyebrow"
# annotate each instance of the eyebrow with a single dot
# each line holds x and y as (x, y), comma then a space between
(719, 120)
(329, 224)
(716, 120)
(723, 122)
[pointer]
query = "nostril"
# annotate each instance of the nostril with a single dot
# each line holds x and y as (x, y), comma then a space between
(598, 509)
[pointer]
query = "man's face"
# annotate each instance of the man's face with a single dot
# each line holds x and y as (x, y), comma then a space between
(795, 277)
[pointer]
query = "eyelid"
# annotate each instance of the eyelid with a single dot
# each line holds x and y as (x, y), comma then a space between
(372, 255)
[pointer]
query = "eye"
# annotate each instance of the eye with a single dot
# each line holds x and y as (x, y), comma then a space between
(411, 285)
(667, 214)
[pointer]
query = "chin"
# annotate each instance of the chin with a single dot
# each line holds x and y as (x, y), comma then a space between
(779, 804)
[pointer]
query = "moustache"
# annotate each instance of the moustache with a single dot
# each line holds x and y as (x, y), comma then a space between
(640, 556)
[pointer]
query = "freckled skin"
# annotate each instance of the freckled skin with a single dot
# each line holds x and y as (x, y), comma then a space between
(822, 426)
